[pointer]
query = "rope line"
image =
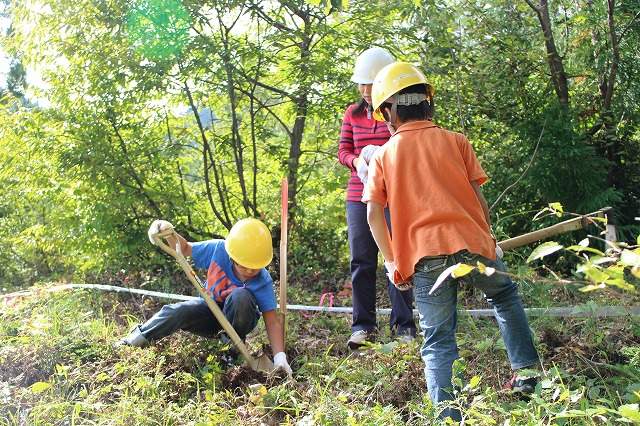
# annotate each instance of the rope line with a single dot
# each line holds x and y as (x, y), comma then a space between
(572, 311)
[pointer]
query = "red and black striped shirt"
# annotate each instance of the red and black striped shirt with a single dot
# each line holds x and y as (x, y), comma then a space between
(357, 132)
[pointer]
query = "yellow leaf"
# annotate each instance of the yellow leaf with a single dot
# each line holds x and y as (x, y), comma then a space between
(557, 207)
(443, 276)
(474, 382)
(39, 387)
(596, 275)
(487, 270)
(621, 283)
(461, 270)
(592, 287)
(630, 411)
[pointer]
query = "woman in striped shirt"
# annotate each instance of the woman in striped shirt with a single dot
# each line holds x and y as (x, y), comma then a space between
(360, 136)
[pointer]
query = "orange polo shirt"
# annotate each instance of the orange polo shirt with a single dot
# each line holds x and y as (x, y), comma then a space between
(423, 173)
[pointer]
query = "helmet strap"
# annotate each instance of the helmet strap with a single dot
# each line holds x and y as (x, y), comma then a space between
(391, 127)
(394, 109)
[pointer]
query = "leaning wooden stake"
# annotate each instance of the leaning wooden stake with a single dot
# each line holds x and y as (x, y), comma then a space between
(283, 258)
(561, 228)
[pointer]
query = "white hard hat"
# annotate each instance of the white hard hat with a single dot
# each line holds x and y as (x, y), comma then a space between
(369, 63)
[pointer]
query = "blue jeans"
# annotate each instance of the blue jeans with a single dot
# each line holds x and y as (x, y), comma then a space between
(194, 316)
(364, 266)
(438, 319)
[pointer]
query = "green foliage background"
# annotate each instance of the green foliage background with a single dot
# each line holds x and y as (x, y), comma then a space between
(264, 86)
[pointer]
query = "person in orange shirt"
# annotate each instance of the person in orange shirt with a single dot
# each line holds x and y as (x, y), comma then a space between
(430, 179)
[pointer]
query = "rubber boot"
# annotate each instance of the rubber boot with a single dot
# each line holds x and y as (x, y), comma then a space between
(135, 339)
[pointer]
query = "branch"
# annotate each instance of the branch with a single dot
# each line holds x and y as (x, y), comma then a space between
(455, 68)
(268, 108)
(603, 369)
(628, 27)
(205, 151)
(533, 6)
(258, 10)
(131, 171)
(615, 58)
(525, 170)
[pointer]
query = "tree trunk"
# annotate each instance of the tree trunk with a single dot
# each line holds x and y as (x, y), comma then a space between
(558, 75)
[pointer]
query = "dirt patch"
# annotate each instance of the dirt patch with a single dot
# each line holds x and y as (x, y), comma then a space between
(237, 379)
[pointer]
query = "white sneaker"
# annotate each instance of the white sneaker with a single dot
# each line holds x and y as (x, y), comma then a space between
(405, 337)
(358, 339)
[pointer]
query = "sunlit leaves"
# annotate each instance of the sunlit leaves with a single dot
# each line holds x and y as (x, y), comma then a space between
(613, 275)
(599, 269)
(630, 411)
(581, 248)
(158, 29)
(630, 258)
(553, 208)
(543, 250)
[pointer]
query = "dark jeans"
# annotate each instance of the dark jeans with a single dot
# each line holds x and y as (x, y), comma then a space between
(364, 265)
(239, 308)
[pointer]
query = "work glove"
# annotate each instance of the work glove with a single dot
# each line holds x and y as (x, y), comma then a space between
(280, 363)
(158, 226)
(499, 252)
(363, 170)
(367, 152)
(363, 162)
(391, 273)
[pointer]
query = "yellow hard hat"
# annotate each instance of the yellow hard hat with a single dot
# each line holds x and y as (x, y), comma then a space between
(249, 244)
(392, 79)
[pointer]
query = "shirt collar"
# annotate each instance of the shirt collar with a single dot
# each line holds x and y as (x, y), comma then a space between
(416, 125)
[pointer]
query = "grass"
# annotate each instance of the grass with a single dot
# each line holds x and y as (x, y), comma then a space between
(58, 366)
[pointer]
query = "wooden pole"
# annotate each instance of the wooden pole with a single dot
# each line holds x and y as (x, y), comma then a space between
(563, 227)
(283, 257)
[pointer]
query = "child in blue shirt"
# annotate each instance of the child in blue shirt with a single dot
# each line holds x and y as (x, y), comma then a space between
(236, 279)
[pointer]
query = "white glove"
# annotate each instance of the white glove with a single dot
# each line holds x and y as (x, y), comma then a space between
(280, 363)
(391, 270)
(158, 226)
(499, 252)
(367, 152)
(363, 170)
(363, 162)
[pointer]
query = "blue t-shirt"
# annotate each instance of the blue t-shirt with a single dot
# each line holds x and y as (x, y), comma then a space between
(221, 280)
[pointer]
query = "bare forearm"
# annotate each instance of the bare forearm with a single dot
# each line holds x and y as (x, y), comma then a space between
(483, 201)
(378, 225)
(274, 331)
(185, 247)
